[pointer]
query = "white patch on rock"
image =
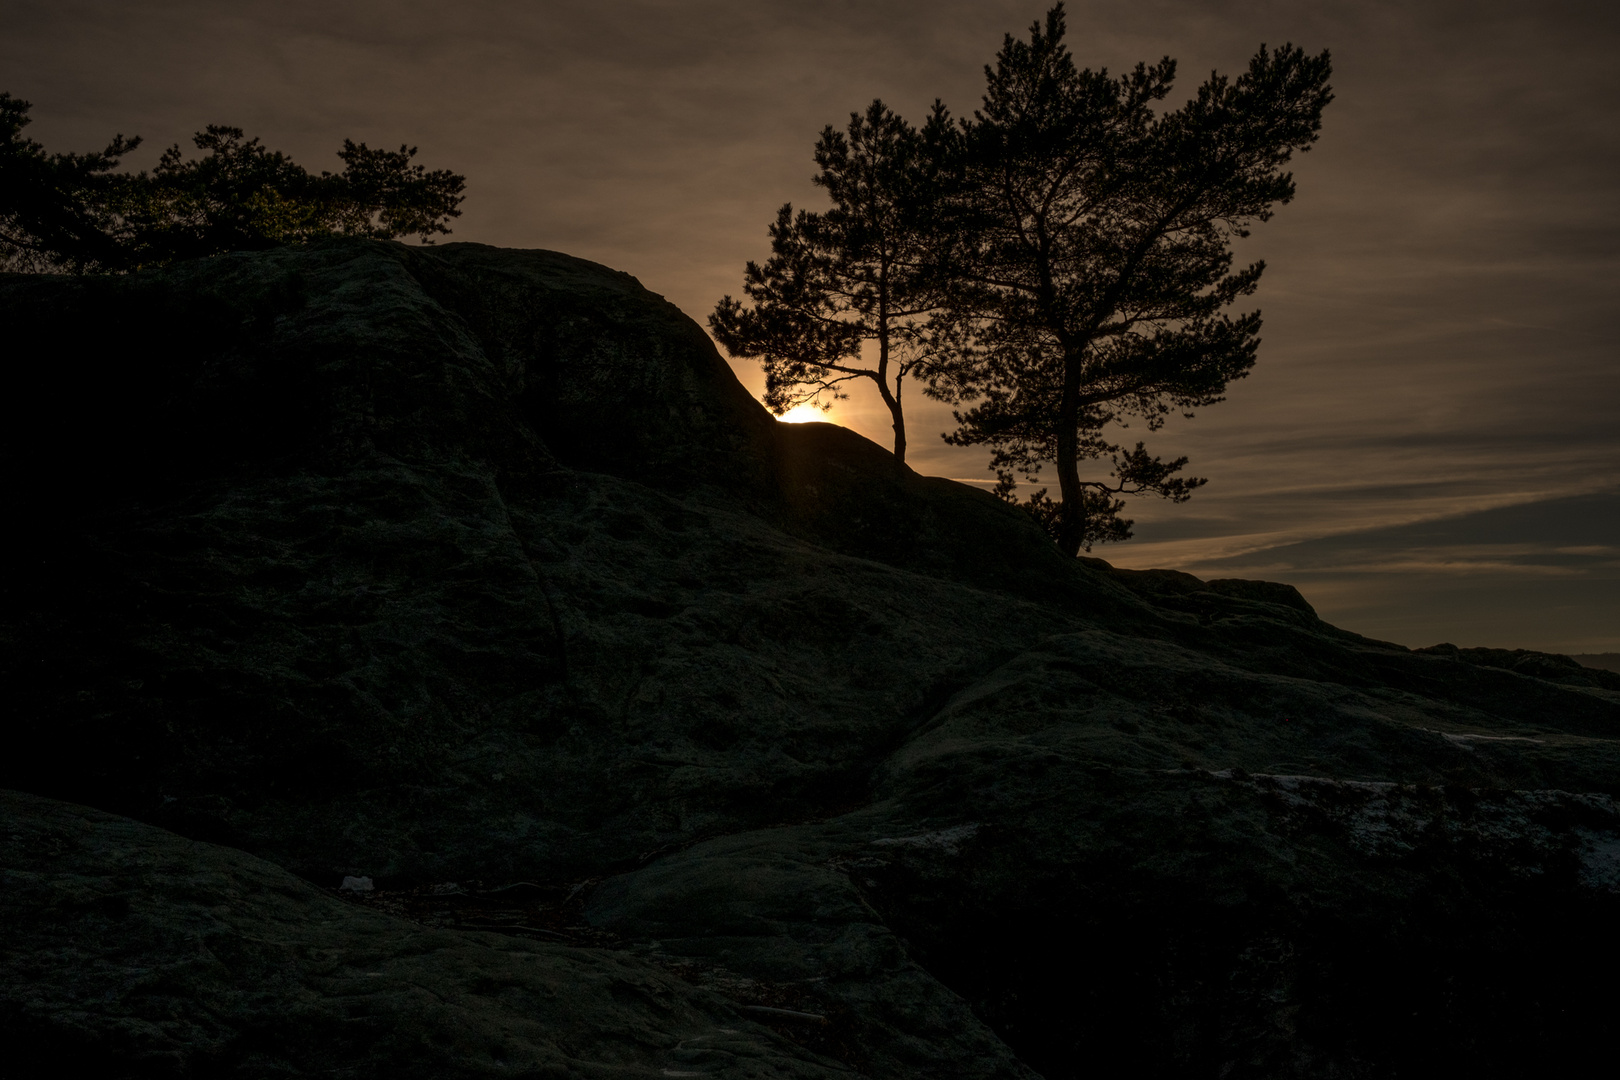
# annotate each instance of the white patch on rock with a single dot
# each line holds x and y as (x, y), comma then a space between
(1466, 739)
(946, 840)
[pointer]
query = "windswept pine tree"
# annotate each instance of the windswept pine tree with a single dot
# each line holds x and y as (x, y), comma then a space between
(1093, 261)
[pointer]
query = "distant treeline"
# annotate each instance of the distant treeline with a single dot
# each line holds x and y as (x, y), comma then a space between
(77, 213)
(1056, 264)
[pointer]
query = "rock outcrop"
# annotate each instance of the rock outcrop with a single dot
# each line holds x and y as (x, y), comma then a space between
(676, 741)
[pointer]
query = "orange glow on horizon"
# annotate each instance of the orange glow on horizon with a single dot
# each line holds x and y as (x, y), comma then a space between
(804, 414)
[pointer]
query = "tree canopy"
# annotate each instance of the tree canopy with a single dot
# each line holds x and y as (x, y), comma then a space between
(55, 209)
(1094, 259)
(77, 213)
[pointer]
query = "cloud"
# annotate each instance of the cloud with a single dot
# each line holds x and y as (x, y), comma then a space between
(1537, 573)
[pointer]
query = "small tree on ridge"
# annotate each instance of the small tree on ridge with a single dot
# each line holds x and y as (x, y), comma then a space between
(855, 274)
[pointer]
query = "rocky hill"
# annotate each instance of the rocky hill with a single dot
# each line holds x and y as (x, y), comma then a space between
(651, 737)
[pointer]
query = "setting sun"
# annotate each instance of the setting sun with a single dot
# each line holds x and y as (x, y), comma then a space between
(803, 414)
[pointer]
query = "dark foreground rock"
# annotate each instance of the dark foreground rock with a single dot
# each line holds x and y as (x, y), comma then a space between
(477, 574)
(131, 951)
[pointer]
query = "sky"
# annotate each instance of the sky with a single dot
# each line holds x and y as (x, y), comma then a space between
(1428, 444)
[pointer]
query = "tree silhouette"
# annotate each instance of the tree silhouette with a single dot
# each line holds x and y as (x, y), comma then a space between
(1092, 259)
(56, 210)
(74, 212)
(858, 273)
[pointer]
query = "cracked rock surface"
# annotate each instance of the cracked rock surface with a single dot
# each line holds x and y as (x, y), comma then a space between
(677, 741)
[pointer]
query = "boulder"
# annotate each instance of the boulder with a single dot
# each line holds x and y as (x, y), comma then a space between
(477, 574)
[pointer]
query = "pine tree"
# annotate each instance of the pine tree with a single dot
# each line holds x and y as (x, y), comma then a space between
(1093, 260)
(855, 275)
(74, 212)
(56, 210)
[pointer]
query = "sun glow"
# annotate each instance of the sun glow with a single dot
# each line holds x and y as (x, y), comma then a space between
(803, 414)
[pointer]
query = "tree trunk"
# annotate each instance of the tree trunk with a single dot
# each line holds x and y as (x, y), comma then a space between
(882, 379)
(893, 402)
(1071, 510)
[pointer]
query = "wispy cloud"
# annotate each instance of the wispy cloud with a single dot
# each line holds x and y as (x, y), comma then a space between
(1534, 573)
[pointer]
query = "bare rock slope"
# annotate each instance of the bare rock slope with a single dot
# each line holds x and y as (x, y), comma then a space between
(676, 741)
